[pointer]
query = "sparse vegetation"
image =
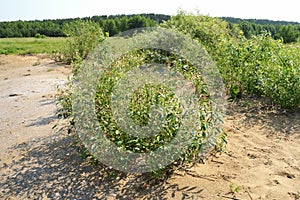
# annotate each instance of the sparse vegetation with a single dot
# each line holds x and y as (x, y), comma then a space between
(234, 189)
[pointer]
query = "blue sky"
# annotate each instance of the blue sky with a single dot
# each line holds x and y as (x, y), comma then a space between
(10, 10)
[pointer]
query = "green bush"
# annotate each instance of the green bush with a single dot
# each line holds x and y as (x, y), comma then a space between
(240, 61)
(261, 65)
(206, 125)
(83, 36)
(149, 95)
(281, 78)
(40, 36)
(258, 65)
(207, 30)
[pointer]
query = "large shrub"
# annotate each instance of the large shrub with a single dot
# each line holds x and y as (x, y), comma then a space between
(240, 61)
(205, 119)
(280, 79)
(147, 96)
(258, 65)
(261, 65)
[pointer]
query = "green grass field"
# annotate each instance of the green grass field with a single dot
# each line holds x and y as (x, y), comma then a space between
(21, 46)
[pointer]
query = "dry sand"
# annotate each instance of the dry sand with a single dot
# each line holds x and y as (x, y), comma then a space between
(38, 162)
(262, 157)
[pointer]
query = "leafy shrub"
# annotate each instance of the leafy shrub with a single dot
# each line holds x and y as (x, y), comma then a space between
(261, 65)
(281, 78)
(83, 36)
(142, 102)
(258, 65)
(149, 95)
(240, 61)
(209, 31)
(64, 101)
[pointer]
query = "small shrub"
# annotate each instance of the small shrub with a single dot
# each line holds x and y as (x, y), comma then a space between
(83, 36)
(64, 101)
(40, 36)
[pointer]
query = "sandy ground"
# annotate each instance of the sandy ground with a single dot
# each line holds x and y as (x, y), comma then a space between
(262, 157)
(37, 162)
(27, 89)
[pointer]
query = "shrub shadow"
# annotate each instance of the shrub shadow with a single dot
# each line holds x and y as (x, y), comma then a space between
(53, 168)
(42, 121)
(273, 119)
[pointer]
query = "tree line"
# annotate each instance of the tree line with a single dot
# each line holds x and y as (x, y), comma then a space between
(287, 31)
(113, 24)
(54, 28)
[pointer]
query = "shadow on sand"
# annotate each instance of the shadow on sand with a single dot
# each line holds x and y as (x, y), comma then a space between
(273, 119)
(54, 169)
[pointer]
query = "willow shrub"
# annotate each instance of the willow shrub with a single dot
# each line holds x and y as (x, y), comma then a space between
(153, 94)
(82, 38)
(259, 65)
(280, 79)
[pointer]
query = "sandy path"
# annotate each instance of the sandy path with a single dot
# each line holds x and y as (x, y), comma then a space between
(37, 162)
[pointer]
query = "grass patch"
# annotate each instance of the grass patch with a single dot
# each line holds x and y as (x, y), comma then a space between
(21, 46)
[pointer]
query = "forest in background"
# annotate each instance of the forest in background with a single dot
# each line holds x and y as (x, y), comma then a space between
(114, 24)
(288, 31)
(54, 28)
